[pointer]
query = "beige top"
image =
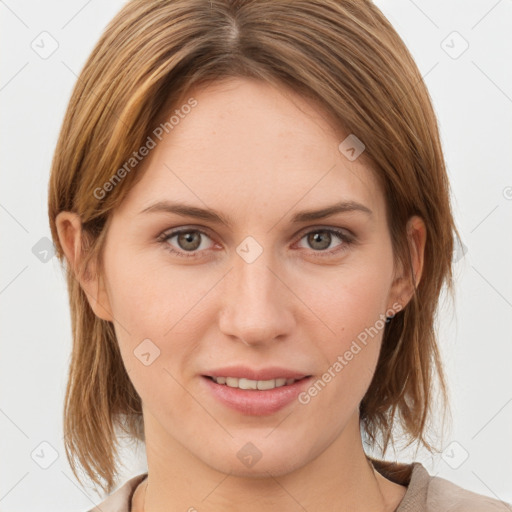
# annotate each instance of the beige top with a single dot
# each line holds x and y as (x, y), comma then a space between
(425, 493)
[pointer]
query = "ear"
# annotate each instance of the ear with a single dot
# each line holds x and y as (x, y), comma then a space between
(69, 228)
(403, 287)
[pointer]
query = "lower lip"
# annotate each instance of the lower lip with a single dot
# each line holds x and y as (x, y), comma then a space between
(256, 402)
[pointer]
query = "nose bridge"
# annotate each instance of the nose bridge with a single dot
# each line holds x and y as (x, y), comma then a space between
(255, 310)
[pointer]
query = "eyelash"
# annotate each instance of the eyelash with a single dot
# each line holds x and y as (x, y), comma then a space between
(346, 239)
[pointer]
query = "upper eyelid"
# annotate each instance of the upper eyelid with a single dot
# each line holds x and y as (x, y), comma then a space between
(205, 230)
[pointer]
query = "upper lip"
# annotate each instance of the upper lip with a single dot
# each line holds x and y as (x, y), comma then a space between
(269, 373)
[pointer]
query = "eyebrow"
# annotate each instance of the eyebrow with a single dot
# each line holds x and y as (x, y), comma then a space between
(186, 210)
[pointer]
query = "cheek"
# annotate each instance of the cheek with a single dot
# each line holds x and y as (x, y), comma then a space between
(154, 302)
(353, 306)
(148, 296)
(350, 299)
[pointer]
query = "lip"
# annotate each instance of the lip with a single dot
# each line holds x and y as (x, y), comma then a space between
(241, 372)
(256, 402)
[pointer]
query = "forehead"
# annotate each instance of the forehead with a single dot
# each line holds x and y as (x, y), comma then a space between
(247, 143)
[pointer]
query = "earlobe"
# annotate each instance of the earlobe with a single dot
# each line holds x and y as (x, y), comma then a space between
(69, 228)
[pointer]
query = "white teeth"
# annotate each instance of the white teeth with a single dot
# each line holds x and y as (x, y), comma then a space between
(243, 383)
(232, 382)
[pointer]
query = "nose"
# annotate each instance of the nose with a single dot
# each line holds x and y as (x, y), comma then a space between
(257, 306)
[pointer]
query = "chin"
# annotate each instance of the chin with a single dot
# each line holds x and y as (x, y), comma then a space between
(258, 458)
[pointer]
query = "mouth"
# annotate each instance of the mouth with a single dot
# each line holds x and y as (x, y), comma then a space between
(249, 384)
(255, 397)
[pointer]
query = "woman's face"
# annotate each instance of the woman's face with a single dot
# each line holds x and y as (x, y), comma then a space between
(268, 287)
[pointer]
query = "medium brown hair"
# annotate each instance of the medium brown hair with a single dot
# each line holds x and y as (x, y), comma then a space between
(342, 54)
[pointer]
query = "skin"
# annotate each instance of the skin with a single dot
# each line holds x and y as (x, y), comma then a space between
(258, 155)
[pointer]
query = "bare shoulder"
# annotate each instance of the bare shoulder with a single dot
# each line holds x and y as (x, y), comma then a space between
(445, 496)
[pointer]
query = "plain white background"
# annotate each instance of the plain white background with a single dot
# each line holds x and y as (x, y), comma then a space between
(471, 89)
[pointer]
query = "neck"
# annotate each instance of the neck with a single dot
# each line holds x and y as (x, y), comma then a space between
(341, 474)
